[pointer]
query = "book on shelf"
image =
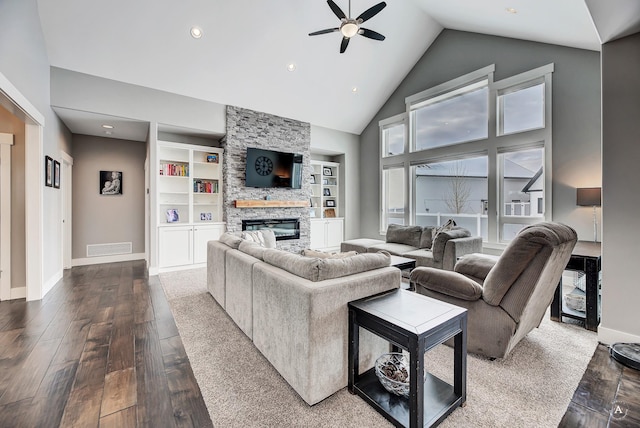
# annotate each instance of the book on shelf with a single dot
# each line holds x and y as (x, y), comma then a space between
(174, 169)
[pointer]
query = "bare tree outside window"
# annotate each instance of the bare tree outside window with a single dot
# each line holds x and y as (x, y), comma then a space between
(459, 189)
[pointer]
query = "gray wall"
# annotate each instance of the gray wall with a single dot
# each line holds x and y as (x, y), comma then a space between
(620, 160)
(103, 219)
(576, 113)
(24, 62)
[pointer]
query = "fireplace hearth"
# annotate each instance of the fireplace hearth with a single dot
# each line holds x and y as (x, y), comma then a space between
(283, 228)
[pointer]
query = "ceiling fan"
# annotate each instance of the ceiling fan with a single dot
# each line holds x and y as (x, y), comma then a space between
(350, 26)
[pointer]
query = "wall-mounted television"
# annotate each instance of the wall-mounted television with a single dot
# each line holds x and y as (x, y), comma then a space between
(268, 168)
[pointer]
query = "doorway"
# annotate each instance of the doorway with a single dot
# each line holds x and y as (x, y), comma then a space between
(6, 141)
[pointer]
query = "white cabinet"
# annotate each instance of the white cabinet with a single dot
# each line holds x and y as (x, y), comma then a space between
(326, 233)
(325, 190)
(189, 202)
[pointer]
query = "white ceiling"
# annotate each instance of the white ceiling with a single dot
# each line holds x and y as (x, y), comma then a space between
(242, 58)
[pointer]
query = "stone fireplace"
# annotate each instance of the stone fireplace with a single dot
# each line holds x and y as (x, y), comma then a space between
(248, 128)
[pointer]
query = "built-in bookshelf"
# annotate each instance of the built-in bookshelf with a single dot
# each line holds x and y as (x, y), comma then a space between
(325, 189)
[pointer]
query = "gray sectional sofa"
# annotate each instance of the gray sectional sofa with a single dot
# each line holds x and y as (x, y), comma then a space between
(294, 308)
(427, 245)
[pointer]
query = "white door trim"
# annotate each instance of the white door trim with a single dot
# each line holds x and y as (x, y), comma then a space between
(6, 141)
(13, 100)
(66, 185)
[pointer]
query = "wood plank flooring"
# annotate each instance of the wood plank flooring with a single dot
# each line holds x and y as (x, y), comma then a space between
(100, 350)
(608, 395)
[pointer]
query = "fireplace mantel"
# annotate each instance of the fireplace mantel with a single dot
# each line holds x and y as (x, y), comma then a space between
(260, 203)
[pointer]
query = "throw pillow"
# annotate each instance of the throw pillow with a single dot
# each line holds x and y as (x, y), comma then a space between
(254, 236)
(450, 224)
(408, 235)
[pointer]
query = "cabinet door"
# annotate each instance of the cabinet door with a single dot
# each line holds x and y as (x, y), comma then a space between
(176, 246)
(202, 235)
(317, 234)
(335, 232)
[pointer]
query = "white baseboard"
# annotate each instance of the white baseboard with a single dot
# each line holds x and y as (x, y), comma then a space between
(18, 293)
(51, 282)
(177, 268)
(609, 336)
(107, 259)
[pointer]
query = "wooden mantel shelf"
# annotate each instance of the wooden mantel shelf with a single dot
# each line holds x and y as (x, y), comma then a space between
(259, 203)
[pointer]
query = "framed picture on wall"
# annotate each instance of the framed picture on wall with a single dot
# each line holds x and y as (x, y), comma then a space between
(56, 174)
(111, 182)
(48, 171)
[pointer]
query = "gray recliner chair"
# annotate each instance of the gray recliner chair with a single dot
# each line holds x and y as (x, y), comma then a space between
(508, 296)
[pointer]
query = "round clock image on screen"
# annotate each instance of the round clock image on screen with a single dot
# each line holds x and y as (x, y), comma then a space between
(264, 165)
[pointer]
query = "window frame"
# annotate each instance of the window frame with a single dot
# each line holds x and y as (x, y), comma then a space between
(491, 147)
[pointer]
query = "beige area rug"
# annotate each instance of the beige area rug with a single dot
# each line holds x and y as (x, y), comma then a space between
(532, 387)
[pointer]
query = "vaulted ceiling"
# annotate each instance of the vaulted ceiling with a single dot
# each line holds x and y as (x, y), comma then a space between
(246, 46)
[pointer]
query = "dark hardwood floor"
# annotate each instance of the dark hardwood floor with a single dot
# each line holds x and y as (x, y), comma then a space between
(608, 395)
(101, 349)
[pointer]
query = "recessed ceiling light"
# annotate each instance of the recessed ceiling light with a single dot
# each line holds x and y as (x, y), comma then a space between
(511, 10)
(354, 89)
(107, 126)
(291, 67)
(196, 32)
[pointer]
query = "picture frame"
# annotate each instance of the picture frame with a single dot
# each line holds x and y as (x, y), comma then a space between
(313, 179)
(325, 181)
(213, 158)
(206, 217)
(56, 174)
(330, 213)
(326, 192)
(327, 171)
(110, 183)
(173, 216)
(48, 171)
(330, 203)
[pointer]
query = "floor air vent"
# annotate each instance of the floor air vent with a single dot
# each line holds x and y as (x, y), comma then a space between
(98, 250)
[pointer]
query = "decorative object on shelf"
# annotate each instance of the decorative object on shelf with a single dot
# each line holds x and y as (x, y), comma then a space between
(48, 171)
(313, 179)
(326, 192)
(111, 182)
(56, 174)
(330, 203)
(312, 212)
(590, 197)
(327, 172)
(330, 213)
(267, 198)
(325, 181)
(172, 216)
(213, 158)
(392, 370)
(206, 216)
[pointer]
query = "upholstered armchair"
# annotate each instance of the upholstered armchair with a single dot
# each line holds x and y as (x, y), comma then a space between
(505, 297)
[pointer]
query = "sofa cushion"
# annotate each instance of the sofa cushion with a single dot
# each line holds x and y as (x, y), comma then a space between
(230, 239)
(253, 249)
(360, 245)
(442, 237)
(336, 268)
(423, 257)
(426, 239)
(408, 235)
(265, 237)
(395, 249)
(327, 255)
(315, 269)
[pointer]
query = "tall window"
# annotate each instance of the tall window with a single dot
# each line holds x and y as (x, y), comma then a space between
(453, 189)
(454, 117)
(393, 192)
(492, 180)
(521, 190)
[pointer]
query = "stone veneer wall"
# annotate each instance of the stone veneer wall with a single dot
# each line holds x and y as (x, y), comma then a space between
(247, 128)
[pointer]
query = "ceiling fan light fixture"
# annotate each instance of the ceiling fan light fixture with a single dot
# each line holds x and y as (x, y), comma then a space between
(349, 29)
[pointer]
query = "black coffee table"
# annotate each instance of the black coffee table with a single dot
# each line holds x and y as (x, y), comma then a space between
(416, 324)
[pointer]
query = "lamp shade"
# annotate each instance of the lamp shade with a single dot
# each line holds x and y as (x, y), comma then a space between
(589, 196)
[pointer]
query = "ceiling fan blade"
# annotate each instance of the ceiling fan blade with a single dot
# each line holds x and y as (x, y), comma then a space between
(344, 44)
(328, 30)
(334, 7)
(370, 34)
(371, 12)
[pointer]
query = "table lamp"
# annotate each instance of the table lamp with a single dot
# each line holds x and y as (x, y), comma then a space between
(590, 197)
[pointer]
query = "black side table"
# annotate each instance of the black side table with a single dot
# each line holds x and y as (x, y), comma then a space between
(416, 324)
